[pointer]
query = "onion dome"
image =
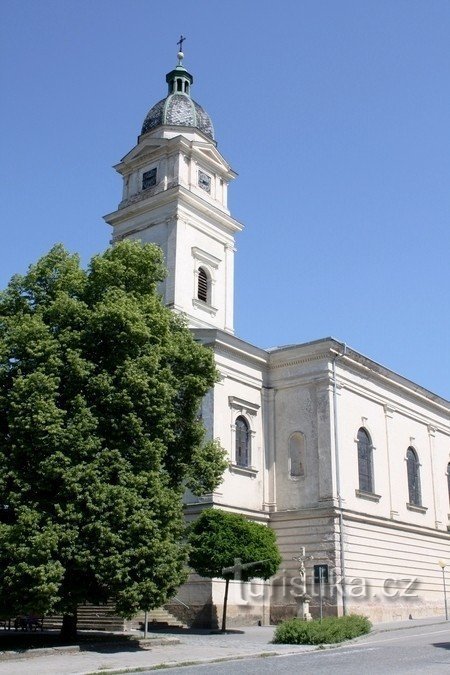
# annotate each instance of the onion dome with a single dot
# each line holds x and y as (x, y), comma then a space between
(178, 108)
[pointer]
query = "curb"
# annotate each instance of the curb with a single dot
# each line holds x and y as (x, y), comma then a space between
(162, 665)
(374, 631)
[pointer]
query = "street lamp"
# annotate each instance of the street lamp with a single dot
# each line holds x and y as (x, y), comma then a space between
(443, 565)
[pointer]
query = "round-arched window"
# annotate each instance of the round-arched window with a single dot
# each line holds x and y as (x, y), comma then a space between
(365, 466)
(448, 480)
(413, 471)
(242, 442)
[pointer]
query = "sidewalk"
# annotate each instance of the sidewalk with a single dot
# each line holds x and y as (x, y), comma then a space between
(198, 646)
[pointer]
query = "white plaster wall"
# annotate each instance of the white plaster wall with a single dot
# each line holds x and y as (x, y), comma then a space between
(302, 403)
(188, 237)
(240, 380)
(394, 425)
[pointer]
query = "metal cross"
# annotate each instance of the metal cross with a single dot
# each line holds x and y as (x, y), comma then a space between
(180, 43)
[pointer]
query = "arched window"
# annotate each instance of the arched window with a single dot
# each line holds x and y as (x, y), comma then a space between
(413, 470)
(297, 455)
(448, 480)
(365, 466)
(202, 285)
(242, 442)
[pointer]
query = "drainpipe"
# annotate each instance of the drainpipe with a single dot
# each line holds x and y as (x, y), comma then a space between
(338, 479)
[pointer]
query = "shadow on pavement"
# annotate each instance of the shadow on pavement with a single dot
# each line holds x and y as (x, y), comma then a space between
(442, 645)
(89, 641)
(191, 631)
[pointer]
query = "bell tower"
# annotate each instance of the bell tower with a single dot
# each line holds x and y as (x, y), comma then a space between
(175, 184)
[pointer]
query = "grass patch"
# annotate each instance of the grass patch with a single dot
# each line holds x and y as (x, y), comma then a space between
(330, 630)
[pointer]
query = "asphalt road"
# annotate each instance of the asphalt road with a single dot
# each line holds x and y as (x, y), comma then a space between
(423, 649)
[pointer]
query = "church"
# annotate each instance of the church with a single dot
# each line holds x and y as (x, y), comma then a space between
(348, 461)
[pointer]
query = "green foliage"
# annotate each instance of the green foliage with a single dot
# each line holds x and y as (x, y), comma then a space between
(208, 462)
(100, 387)
(217, 538)
(330, 630)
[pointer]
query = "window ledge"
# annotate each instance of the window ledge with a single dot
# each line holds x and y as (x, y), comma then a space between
(244, 470)
(206, 307)
(371, 496)
(417, 509)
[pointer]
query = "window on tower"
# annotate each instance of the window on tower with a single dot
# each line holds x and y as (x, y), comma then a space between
(202, 285)
(149, 179)
(204, 181)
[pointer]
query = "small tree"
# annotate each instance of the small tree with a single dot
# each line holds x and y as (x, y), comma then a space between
(100, 387)
(218, 538)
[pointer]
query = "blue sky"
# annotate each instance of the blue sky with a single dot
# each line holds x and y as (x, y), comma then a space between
(336, 116)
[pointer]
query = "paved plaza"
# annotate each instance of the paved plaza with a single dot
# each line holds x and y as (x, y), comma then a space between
(193, 647)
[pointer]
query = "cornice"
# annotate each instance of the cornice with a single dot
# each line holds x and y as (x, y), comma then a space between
(374, 374)
(158, 146)
(315, 512)
(213, 213)
(298, 361)
(146, 194)
(228, 351)
(188, 208)
(411, 528)
(391, 388)
(227, 344)
(392, 407)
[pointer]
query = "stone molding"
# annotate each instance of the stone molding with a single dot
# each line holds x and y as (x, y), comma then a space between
(371, 496)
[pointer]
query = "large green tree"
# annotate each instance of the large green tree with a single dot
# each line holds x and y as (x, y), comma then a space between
(100, 387)
(228, 546)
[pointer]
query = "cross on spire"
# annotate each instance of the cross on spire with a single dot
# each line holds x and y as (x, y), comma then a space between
(180, 43)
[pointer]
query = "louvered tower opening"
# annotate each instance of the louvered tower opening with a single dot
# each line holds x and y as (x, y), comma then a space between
(202, 290)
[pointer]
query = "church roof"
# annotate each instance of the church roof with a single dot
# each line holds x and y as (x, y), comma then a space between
(178, 108)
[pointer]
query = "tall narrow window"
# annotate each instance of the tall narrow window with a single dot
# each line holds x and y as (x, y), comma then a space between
(413, 470)
(202, 287)
(365, 467)
(448, 480)
(297, 455)
(242, 442)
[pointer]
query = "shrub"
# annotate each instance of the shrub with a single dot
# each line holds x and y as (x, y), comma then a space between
(330, 630)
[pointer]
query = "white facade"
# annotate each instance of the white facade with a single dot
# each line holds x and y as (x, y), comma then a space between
(292, 419)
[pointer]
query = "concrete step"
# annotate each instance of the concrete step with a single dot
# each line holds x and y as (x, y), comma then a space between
(103, 617)
(162, 618)
(92, 617)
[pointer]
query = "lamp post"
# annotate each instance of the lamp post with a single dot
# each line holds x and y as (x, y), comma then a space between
(443, 565)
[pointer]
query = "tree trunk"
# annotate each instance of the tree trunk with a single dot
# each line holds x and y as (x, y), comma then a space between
(69, 626)
(225, 600)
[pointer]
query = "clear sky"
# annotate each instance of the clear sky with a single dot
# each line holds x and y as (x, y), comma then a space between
(335, 114)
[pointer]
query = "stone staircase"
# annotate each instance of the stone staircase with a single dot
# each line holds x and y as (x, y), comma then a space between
(92, 617)
(103, 617)
(161, 618)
